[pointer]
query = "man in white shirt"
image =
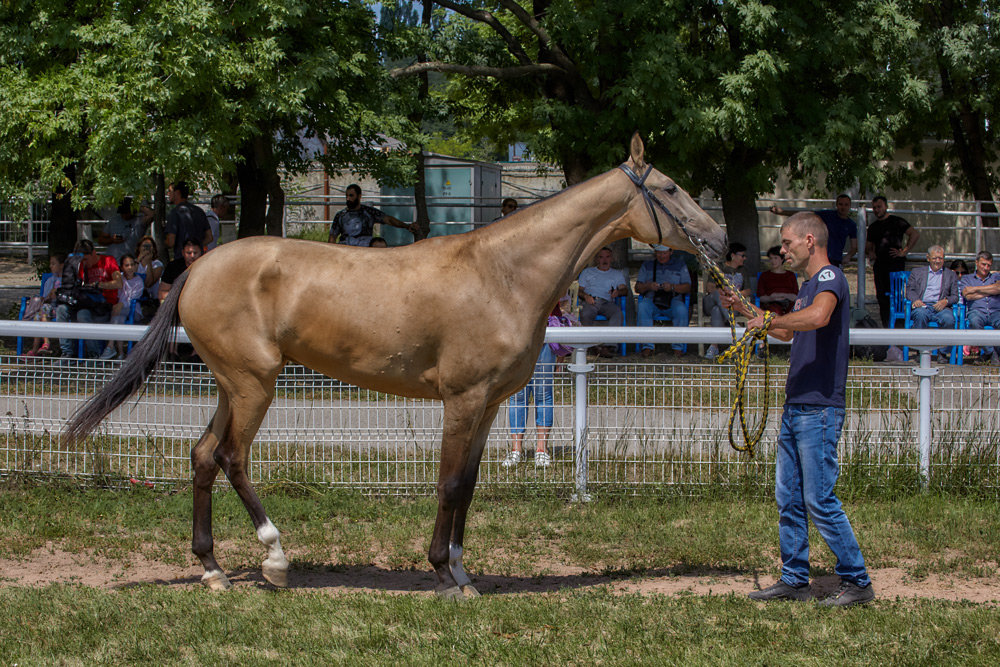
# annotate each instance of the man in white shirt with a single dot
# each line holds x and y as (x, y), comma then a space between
(600, 286)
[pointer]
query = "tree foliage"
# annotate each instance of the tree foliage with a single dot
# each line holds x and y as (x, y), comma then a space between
(727, 93)
(97, 96)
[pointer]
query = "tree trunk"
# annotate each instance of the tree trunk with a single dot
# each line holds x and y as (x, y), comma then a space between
(158, 232)
(253, 194)
(739, 207)
(423, 92)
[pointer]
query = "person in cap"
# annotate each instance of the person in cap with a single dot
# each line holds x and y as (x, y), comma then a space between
(661, 285)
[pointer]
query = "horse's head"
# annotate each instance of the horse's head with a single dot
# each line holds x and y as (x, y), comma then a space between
(665, 213)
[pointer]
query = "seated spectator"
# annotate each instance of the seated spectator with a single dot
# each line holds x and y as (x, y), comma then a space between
(600, 286)
(150, 269)
(189, 254)
(777, 288)
(982, 301)
(123, 230)
(192, 251)
(96, 281)
(662, 288)
(131, 289)
(378, 242)
(711, 305)
(932, 291)
(43, 308)
(960, 268)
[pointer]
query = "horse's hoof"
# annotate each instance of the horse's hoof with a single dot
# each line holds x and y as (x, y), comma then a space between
(470, 591)
(276, 576)
(450, 593)
(216, 580)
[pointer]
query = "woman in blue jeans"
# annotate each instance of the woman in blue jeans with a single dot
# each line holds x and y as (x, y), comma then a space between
(539, 387)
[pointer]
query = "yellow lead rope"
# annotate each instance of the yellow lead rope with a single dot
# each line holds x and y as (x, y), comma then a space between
(741, 353)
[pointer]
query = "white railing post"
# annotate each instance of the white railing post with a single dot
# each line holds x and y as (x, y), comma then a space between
(580, 368)
(862, 258)
(925, 373)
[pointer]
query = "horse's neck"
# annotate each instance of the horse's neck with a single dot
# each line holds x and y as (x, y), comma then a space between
(544, 243)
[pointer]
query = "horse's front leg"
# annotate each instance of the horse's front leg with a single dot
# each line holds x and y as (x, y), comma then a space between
(466, 426)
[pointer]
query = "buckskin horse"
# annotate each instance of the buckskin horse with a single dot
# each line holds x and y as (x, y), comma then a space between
(410, 337)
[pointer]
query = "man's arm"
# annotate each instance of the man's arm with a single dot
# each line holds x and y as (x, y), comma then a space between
(114, 283)
(979, 291)
(853, 253)
(207, 238)
(170, 241)
(912, 234)
(812, 317)
(913, 291)
(396, 222)
(777, 210)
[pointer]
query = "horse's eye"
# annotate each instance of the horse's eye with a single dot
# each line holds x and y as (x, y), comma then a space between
(671, 190)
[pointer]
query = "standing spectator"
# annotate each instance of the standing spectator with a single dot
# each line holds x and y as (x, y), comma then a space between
(777, 287)
(122, 232)
(662, 285)
(219, 210)
(933, 290)
(131, 289)
(600, 286)
(98, 281)
(815, 401)
(885, 242)
(355, 224)
(539, 389)
(185, 221)
(839, 226)
(735, 269)
(43, 308)
(982, 301)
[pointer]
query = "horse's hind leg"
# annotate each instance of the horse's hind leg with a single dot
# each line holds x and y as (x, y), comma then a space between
(233, 455)
(465, 431)
(205, 471)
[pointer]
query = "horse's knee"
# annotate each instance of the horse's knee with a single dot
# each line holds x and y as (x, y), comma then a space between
(454, 492)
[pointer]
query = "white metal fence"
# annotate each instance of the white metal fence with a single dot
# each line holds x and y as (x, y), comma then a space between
(624, 425)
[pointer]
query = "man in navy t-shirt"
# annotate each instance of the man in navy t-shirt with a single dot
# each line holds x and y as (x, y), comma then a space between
(806, 466)
(839, 228)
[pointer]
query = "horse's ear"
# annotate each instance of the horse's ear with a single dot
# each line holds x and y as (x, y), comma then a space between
(637, 150)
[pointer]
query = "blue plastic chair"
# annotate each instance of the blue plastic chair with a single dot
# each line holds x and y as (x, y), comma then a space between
(958, 310)
(24, 306)
(897, 297)
(665, 316)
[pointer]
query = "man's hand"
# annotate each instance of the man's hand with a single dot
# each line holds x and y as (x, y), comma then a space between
(897, 252)
(918, 304)
(940, 305)
(587, 298)
(756, 322)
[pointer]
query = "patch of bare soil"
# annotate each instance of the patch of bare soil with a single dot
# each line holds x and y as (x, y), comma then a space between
(51, 565)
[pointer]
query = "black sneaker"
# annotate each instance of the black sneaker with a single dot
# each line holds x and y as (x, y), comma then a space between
(848, 595)
(782, 591)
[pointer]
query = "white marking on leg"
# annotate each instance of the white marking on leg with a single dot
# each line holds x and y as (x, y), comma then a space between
(269, 535)
(455, 565)
(216, 580)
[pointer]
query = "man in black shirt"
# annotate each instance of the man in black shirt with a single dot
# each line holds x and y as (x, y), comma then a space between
(355, 224)
(185, 221)
(887, 245)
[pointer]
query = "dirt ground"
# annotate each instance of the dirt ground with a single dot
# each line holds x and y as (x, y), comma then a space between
(51, 565)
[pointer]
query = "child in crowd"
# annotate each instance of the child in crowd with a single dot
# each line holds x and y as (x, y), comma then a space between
(131, 290)
(43, 308)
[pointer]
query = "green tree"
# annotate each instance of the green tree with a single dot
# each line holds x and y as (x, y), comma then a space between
(957, 52)
(98, 97)
(728, 93)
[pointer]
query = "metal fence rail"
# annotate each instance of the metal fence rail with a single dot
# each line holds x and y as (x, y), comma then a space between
(622, 425)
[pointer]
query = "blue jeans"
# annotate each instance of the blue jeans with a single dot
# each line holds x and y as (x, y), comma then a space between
(979, 319)
(539, 386)
(805, 474)
(923, 316)
(645, 311)
(93, 347)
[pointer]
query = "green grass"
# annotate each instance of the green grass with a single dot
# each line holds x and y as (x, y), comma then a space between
(152, 624)
(930, 534)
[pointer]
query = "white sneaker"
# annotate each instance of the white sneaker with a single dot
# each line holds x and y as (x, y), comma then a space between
(512, 459)
(712, 352)
(542, 460)
(109, 353)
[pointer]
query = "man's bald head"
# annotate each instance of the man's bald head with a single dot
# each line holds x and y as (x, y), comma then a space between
(804, 223)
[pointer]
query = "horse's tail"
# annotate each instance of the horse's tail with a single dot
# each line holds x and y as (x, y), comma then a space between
(141, 362)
